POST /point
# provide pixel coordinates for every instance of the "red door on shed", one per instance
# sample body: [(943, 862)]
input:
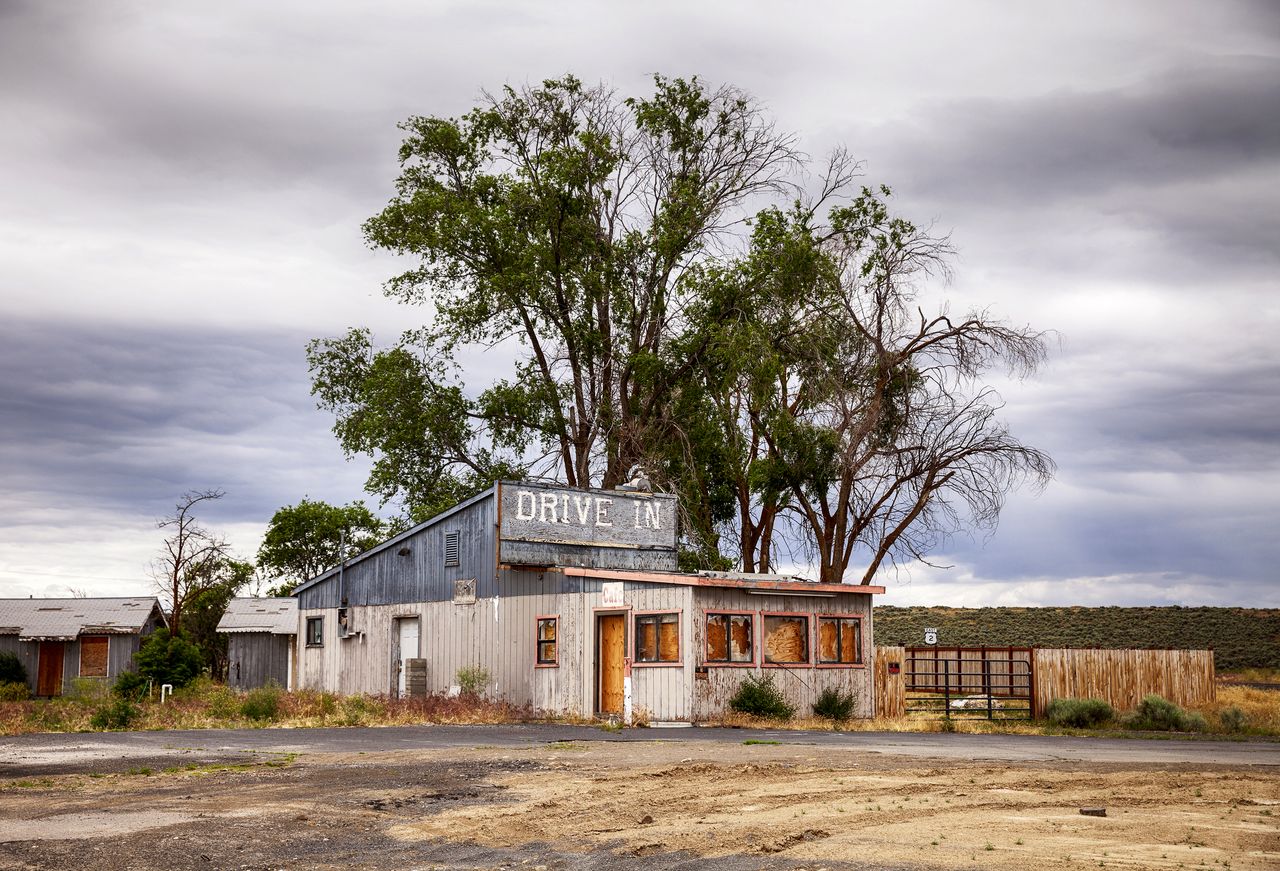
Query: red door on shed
[(49, 679)]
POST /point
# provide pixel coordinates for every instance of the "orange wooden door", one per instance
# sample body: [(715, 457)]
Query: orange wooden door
[(612, 635), (49, 677)]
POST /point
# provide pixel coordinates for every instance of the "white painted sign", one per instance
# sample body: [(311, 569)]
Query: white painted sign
[(931, 636), (542, 524), (611, 595)]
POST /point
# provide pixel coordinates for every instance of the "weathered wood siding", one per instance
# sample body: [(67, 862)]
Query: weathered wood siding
[(256, 658), (28, 653), (1123, 677), (800, 684), (385, 577), (891, 694)]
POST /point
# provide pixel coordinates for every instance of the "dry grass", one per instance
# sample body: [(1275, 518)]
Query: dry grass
[(206, 705)]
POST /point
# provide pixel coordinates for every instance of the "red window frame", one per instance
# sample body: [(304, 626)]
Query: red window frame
[(808, 636), (538, 662), (635, 639), (755, 646), (862, 640)]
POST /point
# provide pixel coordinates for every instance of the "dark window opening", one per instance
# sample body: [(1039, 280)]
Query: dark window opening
[(840, 640), (547, 640), (786, 639), (730, 638), (315, 632), (657, 638)]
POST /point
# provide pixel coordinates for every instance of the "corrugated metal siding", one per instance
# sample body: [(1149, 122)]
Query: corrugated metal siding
[(254, 658), (800, 684), (386, 578)]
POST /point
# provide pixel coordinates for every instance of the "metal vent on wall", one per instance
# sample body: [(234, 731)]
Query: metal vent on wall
[(451, 548)]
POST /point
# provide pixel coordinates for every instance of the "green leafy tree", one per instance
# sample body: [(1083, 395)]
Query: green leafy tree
[(562, 221), (206, 607), (306, 539), (166, 658), (785, 382)]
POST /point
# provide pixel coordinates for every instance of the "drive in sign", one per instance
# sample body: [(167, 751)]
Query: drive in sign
[(547, 525)]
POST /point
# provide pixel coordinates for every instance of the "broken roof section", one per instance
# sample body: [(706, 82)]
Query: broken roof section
[(276, 616), (68, 619)]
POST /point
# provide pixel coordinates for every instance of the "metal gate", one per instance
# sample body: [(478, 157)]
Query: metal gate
[(993, 683)]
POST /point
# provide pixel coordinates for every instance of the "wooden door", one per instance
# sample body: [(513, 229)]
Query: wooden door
[(49, 679), (611, 634)]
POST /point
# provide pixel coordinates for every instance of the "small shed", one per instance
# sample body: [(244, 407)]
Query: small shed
[(262, 641), (58, 640)]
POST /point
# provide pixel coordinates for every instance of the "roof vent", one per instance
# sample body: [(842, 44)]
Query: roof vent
[(451, 548)]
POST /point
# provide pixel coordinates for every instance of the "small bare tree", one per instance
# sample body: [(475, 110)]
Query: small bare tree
[(190, 557)]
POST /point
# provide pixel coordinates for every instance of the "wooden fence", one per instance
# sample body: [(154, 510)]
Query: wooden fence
[(890, 683), (1123, 677), (1120, 677)]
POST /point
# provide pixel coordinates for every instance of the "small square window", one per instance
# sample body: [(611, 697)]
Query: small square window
[(839, 641), (730, 638), (547, 640), (786, 638), (657, 638), (315, 632)]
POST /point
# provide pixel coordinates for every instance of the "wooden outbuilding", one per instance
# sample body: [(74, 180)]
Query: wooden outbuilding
[(58, 640), (262, 641), (571, 602)]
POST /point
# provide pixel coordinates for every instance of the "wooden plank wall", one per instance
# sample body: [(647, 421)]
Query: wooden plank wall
[(1123, 677), (890, 689), (254, 658), (800, 684)]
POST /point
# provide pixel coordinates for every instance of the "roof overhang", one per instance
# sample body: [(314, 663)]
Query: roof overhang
[(757, 587)]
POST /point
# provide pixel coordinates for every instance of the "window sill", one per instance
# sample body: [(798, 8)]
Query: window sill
[(730, 664), (676, 664)]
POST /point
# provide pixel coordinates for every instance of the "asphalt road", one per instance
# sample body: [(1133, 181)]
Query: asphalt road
[(27, 755)]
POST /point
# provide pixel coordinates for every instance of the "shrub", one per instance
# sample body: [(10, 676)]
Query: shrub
[(472, 679), (168, 659), (11, 669), (117, 715), (835, 705), (132, 686), (759, 696), (223, 702), (1195, 722), (11, 691), (263, 703), (328, 704), (1233, 719), (1079, 713), (1157, 714)]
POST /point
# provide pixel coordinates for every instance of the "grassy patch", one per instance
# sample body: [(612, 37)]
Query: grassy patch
[(751, 741)]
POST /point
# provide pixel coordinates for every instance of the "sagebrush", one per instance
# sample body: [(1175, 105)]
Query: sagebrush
[(760, 697), (1079, 713), (835, 704)]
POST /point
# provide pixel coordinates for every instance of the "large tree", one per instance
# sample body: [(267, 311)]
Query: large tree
[(671, 299), (205, 608), (562, 222)]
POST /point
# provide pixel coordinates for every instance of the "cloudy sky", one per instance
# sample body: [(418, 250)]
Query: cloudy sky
[(182, 185)]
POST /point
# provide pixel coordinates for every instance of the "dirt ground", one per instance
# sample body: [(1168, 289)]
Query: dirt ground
[(589, 805)]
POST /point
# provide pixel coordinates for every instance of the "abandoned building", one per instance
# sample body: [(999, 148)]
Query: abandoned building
[(59, 640), (261, 641), (571, 602)]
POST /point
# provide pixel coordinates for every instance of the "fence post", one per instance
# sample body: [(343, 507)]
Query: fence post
[(946, 687), (986, 683)]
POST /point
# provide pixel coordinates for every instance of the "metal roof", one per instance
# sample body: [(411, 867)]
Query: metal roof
[(67, 619), (277, 616)]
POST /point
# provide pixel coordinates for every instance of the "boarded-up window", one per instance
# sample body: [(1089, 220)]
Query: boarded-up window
[(315, 631), (658, 638), (786, 638), (93, 655), (729, 638), (451, 548), (547, 640), (840, 640)]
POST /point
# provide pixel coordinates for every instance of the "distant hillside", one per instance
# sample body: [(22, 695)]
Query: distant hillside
[(1240, 637)]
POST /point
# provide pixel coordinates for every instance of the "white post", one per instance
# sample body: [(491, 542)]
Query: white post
[(165, 688), (626, 693)]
